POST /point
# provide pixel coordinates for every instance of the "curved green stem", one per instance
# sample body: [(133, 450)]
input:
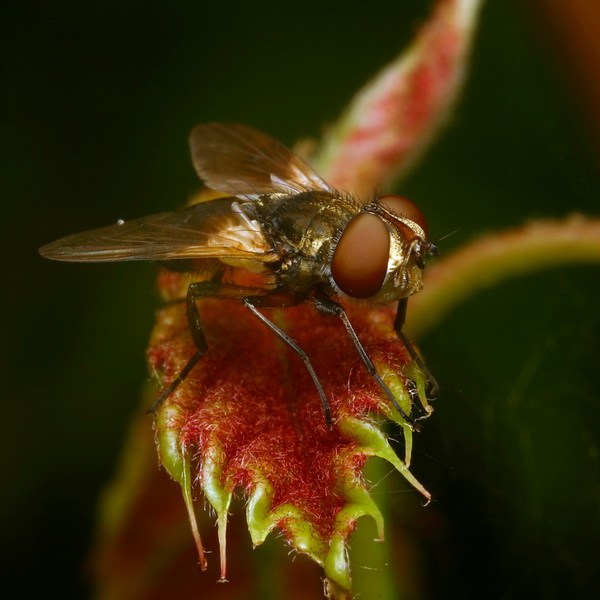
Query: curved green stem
[(494, 258)]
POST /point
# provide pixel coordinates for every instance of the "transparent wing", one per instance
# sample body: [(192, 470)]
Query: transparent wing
[(242, 161), (209, 229)]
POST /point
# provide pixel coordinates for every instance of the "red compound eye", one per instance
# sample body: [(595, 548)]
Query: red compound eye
[(403, 207), (360, 259)]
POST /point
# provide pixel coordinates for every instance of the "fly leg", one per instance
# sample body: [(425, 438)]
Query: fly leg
[(328, 306), (398, 324), (252, 299), (251, 305), (195, 291)]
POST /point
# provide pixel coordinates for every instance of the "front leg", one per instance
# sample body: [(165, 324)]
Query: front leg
[(328, 306), (398, 324)]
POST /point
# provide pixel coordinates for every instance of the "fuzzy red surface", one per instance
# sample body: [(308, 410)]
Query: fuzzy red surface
[(253, 397)]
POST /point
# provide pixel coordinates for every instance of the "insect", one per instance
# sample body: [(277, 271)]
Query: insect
[(277, 218)]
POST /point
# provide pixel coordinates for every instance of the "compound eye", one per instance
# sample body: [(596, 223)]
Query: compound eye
[(360, 259), (403, 207)]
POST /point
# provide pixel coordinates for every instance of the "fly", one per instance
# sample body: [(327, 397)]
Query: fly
[(277, 218)]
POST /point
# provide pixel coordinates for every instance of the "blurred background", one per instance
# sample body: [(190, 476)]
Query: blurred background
[(98, 99)]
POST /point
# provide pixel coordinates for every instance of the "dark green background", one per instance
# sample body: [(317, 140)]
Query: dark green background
[(97, 102)]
